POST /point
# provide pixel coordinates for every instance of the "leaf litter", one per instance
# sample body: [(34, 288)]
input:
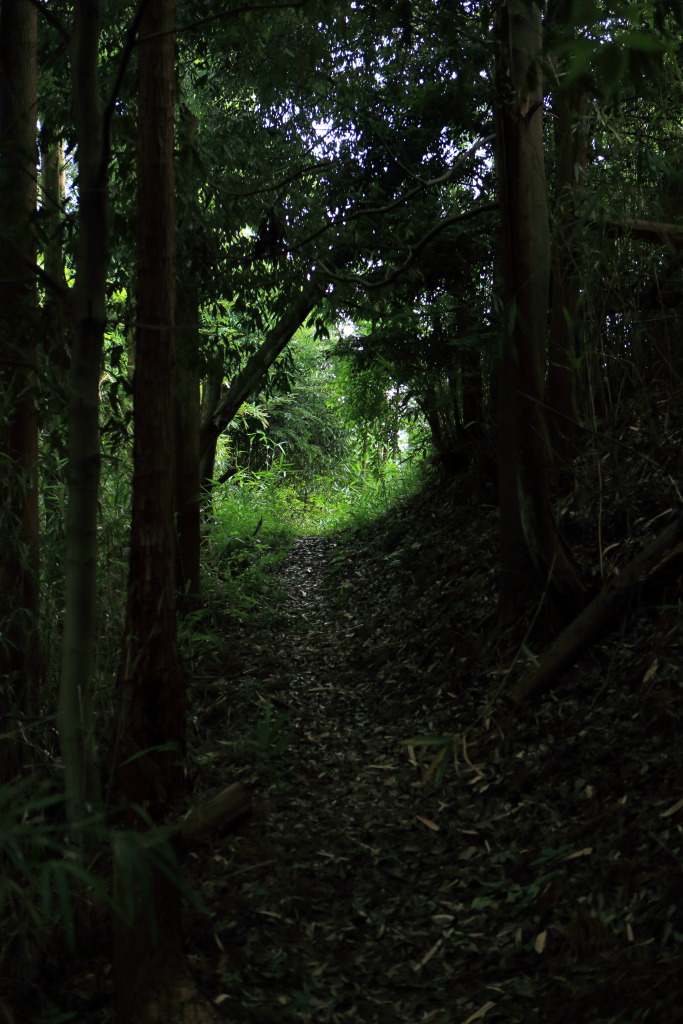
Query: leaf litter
[(418, 853)]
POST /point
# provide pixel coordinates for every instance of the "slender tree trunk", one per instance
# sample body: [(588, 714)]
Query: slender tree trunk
[(472, 393), (186, 434), (75, 712), (56, 344), (211, 397), (53, 189), (151, 689), (246, 381), (569, 107), (152, 981), (530, 546), (186, 396), (20, 658)]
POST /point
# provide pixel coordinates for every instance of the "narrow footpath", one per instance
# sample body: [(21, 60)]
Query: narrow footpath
[(362, 888)]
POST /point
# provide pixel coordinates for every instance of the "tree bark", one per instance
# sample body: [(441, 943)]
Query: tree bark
[(531, 551), (150, 686), (597, 616), (75, 713), (210, 817), (151, 976), (55, 330), (569, 110), (20, 659), (212, 386), (186, 399), (666, 236), (186, 435)]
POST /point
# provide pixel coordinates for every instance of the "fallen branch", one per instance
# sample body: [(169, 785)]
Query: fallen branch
[(212, 816), (153, 980), (599, 614), (647, 231)]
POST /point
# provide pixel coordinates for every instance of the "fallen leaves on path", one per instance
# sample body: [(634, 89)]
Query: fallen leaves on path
[(540, 880)]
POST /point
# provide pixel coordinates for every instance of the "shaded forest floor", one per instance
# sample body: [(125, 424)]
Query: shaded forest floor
[(541, 878), (511, 867)]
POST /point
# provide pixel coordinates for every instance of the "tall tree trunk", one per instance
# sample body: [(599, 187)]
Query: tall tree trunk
[(75, 712), (211, 397), (531, 550), (20, 659), (56, 345), (472, 393), (186, 437), (151, 688), (152, 981), (186, 395), (569, 105)]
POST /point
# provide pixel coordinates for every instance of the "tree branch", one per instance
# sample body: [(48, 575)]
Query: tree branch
[(412, 250), (273, 187), (50, 282), (343, 220), (121, 67), (245, 9), (646, 231), (52, 18)]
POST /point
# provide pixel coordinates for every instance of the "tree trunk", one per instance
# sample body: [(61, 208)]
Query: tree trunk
[(56, 344), (186, 398), (151, 688), (531, 551), (257, 365), (75, 714), (569, 107), (186, 436), (20, 659), (152, 980), (211, 396), (472, 392), (601, 612)]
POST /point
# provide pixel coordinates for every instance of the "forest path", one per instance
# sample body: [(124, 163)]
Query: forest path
[(539, 880), (342, 871)]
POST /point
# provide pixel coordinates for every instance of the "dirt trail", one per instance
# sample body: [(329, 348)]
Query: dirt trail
[(539, 881), (333, 907)]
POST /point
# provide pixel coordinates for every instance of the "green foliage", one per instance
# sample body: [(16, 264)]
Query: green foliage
[(42, 882), (294, 418)]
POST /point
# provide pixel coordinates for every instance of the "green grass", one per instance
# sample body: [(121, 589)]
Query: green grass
[(276, 508), (258, 518)]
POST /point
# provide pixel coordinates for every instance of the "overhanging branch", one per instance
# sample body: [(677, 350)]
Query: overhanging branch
[(412, 251)]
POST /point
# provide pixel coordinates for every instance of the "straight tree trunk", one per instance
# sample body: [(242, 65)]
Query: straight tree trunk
[(20, 659), (55, 332), (472, 393), (569, 106), (152, 981), (531, 551), (75, 711), (211, 397), (186, 396), (151, 687), (186, 436)]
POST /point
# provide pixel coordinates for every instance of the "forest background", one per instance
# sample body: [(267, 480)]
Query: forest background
[(259, 264)]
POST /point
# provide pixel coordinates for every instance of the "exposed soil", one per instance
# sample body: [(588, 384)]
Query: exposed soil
[(540, 878)]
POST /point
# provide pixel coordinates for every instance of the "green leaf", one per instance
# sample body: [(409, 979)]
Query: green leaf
[(429, 740)]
